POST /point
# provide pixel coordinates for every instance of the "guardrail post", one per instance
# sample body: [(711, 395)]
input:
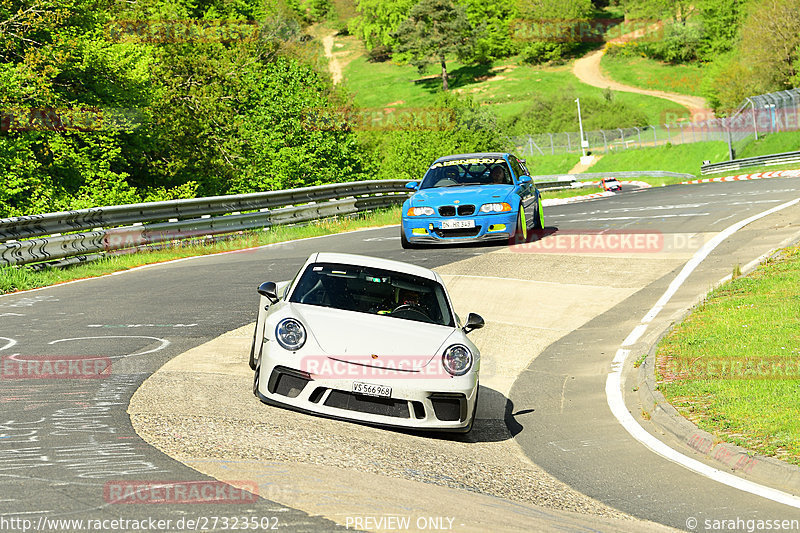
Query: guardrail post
[(639, 133), (552, 146), (622, 137), (605, 140)]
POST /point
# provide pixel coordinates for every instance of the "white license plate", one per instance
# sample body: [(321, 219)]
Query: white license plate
[(368, 389), (457, 224)]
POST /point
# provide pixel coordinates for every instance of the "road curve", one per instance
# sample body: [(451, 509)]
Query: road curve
[(63, 441)]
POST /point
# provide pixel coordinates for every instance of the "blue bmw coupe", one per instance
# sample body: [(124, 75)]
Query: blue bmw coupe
[(470, 198)]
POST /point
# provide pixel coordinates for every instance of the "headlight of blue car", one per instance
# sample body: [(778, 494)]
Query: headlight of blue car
[(420, 211), (495, 208)]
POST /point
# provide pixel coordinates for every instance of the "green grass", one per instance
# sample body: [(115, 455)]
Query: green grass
[(733, 366), (772, 143), (752, 170), (540, 165), (14, 279), (685, 158), (569, 193), (506, 87), (653, 75)]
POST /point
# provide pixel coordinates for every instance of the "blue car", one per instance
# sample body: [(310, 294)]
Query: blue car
[(470, 198)]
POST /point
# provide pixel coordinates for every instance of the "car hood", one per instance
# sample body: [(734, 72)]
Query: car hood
[(464, 194), (357, 337)]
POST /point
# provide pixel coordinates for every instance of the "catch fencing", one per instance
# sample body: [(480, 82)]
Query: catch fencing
[(756, 116)]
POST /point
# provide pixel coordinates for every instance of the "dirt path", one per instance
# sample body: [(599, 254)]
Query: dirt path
[(336, 60), (587, 69)]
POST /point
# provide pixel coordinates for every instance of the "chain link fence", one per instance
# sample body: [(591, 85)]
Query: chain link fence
[(757, 115)]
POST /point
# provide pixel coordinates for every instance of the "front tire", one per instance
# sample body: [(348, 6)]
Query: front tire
[(538, 217), (253, 349), (521, 233), (403, 241), (256, 379)]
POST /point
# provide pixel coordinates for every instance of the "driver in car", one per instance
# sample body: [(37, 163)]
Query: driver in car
[(404, 297)]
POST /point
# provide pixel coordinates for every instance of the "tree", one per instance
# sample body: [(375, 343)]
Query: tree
[(770, 39), (378, 20), (492, 19), (554, 26), (434, 29)]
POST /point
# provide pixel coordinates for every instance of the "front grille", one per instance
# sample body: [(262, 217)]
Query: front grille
[(447, 210), (287, 382), (466, 210), (461, 232), (449, 407), (368, 404)]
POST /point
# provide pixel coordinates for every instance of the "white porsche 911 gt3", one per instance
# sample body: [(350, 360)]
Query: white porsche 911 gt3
[(369, 340)]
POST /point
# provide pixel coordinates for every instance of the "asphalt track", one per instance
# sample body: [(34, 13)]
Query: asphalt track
[(62, 441)]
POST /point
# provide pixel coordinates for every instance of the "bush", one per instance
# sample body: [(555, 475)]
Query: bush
[(559, 113), (682, 43), (379, 54), (536, 52)]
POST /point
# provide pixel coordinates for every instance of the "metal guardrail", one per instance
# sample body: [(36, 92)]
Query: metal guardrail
[(158, 222), (760, 161), (552, 180)]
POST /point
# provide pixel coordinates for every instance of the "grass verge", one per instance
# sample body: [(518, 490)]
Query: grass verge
[(22, 278), (685, 158), (750, 170), (653, 75), (733, 366), (569, 193), (771, 143)]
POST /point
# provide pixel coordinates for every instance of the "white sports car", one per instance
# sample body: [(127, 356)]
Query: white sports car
[(369, 340)]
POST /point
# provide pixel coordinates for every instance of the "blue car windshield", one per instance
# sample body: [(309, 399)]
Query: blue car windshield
[(459, 173)]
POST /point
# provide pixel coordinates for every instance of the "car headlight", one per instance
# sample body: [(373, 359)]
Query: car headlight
[(420, 211), (290, 334), (495, 208), (457, 359)]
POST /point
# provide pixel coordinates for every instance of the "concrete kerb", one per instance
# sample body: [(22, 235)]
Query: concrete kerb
[(747, 463)]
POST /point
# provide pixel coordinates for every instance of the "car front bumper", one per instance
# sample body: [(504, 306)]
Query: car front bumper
[(496, 226), (437, 404)]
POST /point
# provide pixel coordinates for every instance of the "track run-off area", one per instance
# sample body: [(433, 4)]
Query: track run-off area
[(554, 445)]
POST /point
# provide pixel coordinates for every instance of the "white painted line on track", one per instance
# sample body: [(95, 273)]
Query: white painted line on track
[(639, 218), (164, 343), (616, 401), (9, 344)]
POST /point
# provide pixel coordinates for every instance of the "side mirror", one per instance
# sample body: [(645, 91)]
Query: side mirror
[(270, 290), (412, 185), (474, 321), (524, 179)]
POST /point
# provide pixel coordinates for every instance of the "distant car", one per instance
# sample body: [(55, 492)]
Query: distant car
[(611, 184), (368, 340), (472, 197)]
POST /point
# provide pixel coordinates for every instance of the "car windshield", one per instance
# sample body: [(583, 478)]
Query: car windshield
[(373, 291), (461, 172)]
